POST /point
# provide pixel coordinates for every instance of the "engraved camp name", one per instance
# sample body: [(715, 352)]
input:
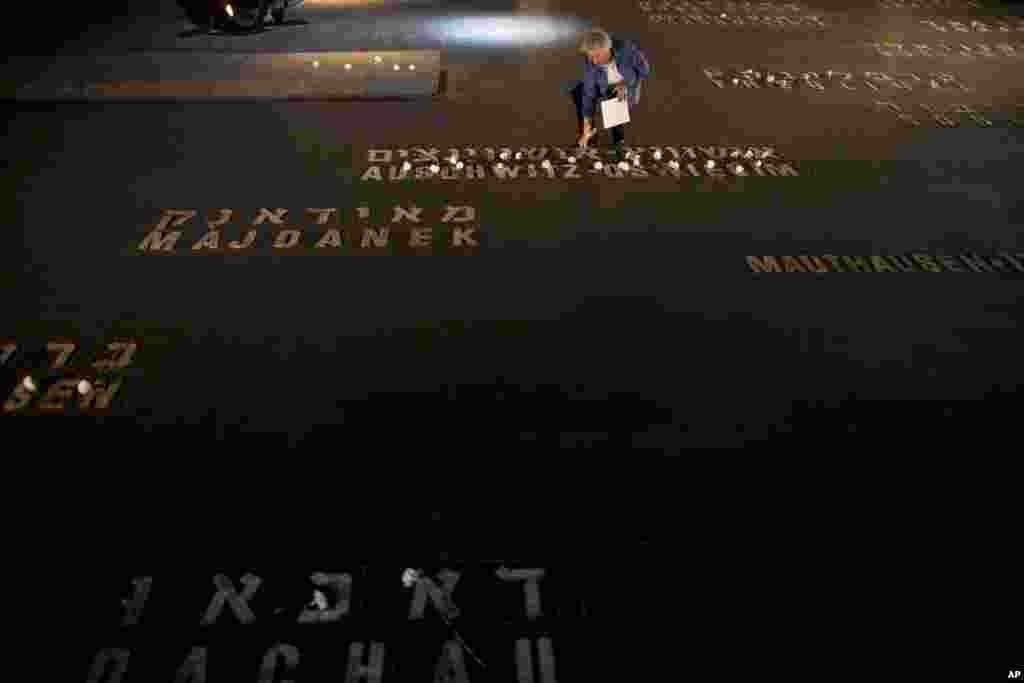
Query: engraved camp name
[(559, 163), (940, 50), (952, 115), (717, 7), (277, 229), (59, 377), (726, 19), (731, 14), (833, 80), (973, 26), (929, 4), (917, 262), (338, 597)]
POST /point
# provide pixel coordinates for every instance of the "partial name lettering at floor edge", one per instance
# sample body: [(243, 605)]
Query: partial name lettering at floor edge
[(917, 262)]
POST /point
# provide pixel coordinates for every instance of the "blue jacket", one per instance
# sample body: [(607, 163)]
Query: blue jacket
[(630, 62)]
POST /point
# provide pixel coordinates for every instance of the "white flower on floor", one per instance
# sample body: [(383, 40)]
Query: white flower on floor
[(504, 155), (499, 165), (572, 160), (84, 387), (406, 166), (710, 164), (598, 165), (411, 577), (29, 383), (519, 155), (657, 155), (623, 166), (459, 165), (319, 599), (757, 163), (673, 164), (434, 168), (546, 163), (739, 170)]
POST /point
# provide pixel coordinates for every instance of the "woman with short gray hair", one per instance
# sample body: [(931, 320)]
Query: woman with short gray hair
[(595, 40), (613, 67)]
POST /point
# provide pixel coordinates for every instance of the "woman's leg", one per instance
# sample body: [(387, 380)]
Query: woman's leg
[(577, 97), (619, 135)]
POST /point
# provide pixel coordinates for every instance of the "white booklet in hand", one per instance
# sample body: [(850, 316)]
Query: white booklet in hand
[(614, 112)]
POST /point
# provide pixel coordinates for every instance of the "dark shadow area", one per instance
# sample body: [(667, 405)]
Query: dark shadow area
[(508, 420), (68, 22), (405, 7), (269, 28)]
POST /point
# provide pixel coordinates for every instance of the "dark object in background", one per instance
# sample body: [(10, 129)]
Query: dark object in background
[(246, 15)]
